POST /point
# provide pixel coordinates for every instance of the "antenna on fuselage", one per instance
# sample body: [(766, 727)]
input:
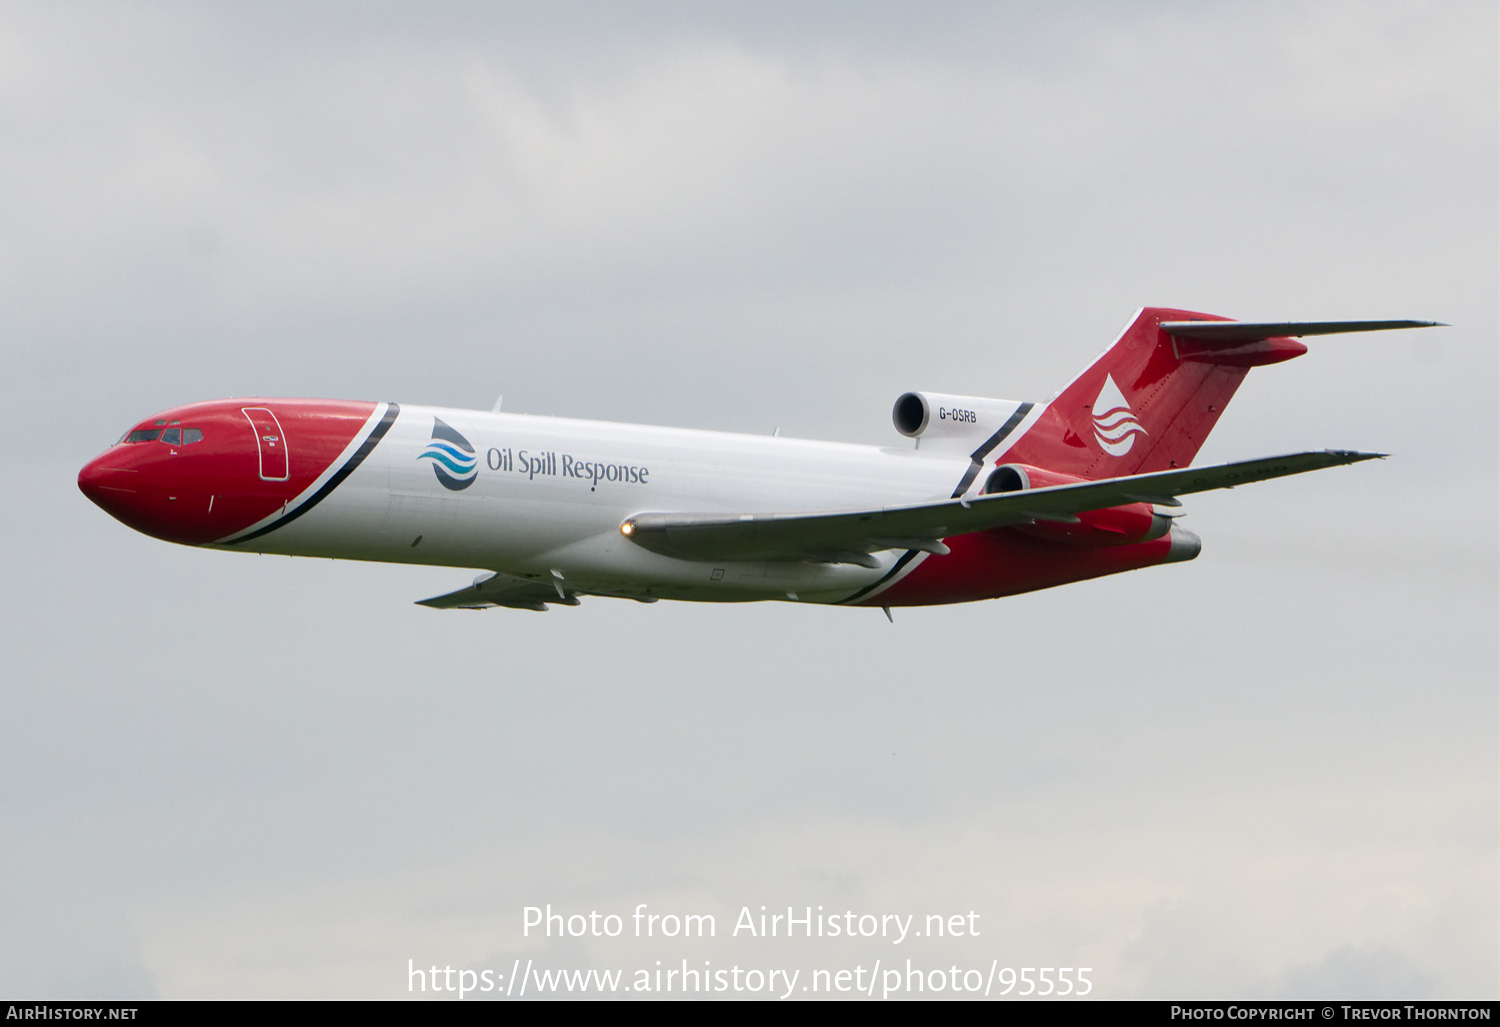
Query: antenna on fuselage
[(498, 400)]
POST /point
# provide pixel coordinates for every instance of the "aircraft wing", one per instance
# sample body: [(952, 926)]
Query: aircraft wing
[(851, 536), (490, 590)]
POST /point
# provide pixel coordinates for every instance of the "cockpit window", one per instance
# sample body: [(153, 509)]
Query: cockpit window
[(144, 435), (172, 436), (190, 435)]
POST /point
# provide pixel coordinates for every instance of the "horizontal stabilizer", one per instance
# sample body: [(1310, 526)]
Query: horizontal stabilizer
[(830, 537), (1234, 332)]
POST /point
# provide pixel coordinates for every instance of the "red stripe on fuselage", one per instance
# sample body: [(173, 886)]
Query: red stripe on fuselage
[(200, 492), (1002, 562)]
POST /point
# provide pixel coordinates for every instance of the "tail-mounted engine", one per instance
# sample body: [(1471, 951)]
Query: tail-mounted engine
[(1112, 526), (951, 422)]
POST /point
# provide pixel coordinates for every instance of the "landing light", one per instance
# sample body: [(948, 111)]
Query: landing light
[(627, 528)]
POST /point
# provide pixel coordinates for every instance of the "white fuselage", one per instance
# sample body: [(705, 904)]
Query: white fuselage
[(549, 494)]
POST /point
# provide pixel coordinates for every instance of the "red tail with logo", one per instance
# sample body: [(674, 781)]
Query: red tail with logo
[(1146, 405)]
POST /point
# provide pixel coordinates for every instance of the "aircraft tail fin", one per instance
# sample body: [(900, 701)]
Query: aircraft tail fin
[(1148, 403)]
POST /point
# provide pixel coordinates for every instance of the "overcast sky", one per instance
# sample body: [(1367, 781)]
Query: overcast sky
[(1272, 771)]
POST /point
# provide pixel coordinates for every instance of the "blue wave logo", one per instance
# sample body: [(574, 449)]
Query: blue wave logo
[(453, 459)]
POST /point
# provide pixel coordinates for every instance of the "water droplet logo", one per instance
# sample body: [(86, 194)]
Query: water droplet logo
[(1115, 426), (453, 459)]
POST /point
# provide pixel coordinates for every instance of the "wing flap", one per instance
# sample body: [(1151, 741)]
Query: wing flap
[(834, 536)]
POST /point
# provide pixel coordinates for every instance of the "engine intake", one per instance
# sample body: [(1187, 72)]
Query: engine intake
[(963, 422), (1007, 478)]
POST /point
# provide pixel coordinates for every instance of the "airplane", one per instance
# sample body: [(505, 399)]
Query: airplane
[(986, 498)]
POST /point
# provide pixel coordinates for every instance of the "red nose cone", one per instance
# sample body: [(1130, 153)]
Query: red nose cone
[(205, 472), (110, 484), (144, 485)]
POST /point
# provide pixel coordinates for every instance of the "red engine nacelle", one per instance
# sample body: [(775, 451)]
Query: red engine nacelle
[(1112, 526)]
